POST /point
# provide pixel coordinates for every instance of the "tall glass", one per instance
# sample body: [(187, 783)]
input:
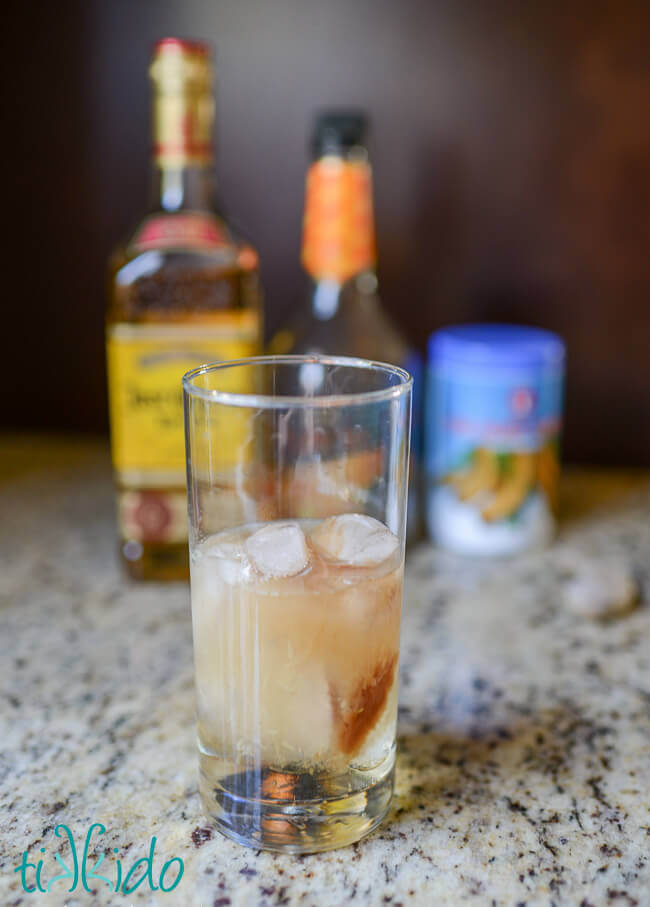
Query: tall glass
[(297, 482)]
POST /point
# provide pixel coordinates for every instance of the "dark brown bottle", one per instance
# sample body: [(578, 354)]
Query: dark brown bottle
[(342, 314)]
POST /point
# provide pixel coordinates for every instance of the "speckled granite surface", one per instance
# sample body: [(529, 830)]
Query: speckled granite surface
[(524, 731)]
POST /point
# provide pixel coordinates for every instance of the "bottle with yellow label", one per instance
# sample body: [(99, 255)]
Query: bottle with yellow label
[(183, 291)]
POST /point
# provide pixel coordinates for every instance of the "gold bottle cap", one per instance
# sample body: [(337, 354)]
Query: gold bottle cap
[(183, 103)]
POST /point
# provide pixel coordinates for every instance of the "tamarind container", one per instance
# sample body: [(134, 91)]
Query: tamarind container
[(492, 427)]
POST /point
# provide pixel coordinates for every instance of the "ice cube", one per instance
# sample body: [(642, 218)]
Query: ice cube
[(229, 559), (278, 549), (295, 710), (354, 539)]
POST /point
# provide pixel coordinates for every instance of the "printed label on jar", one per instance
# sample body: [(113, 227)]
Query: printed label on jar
[(145, 367), (493, 455)]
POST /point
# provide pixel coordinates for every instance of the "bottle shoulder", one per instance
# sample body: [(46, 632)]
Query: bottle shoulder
[(128, 264), (180, 266), (206, 234), (359, 326)]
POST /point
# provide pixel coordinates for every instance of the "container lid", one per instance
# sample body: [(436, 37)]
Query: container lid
[(338, 130), (494, 345)]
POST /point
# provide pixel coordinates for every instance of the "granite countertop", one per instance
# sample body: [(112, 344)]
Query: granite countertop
[(523, 769)]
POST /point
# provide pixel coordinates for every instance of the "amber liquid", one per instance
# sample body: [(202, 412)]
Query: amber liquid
[(297, 682), (188, 287)]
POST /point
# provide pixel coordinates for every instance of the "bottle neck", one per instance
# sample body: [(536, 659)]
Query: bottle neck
[(183, 119), (338, 243), (183, 188)]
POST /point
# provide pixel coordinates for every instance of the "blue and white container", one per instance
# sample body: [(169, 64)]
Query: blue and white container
[(493, 419)]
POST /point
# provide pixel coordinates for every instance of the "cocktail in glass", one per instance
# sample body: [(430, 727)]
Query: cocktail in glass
[(297, 477)]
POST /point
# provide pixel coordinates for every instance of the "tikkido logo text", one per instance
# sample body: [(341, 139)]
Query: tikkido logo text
[(37, 877)]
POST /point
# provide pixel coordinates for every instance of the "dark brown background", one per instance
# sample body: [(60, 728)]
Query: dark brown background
[(511, 148)]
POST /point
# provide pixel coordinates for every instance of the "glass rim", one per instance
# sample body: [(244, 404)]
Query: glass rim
[(282, 401)]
